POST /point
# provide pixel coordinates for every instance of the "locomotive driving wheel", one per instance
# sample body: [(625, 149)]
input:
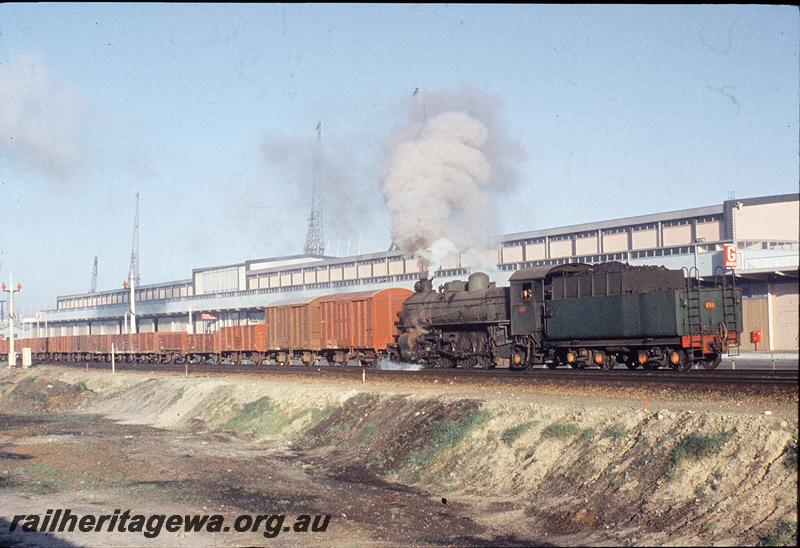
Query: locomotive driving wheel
[(519, 359), (468, 362), (445, 362)]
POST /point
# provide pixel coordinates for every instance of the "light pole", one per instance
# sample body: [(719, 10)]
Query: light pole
[(12, 356), (129, 284), (697, 241)]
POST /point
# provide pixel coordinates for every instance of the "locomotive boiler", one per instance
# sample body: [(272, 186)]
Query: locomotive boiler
[(464, 324)]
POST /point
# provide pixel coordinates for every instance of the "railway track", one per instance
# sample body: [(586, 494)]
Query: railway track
[(744, 378)]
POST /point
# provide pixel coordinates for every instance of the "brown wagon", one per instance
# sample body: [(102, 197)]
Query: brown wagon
[(200, 347), (292, 331), (240, 342), (359, 326)]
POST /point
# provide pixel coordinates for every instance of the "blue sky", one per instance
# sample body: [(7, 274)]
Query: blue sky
[(620, 110)]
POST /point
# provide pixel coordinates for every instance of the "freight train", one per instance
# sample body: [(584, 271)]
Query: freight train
[(573, 314)]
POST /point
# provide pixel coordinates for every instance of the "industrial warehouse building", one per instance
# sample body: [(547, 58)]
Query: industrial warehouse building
[(765, 231)]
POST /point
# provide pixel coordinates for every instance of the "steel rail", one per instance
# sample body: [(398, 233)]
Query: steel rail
[(743, 377)]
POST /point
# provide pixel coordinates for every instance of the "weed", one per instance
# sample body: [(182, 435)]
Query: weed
[(80, 386), (791, 456), (261, 417), (447, 434), (526, 452), (586, 435), (43, 478), (320, 413), (219, 410), (415, 457), (512, 434), (783, 535), (560, 430), (615, 432), (368, 431), (699, 490), (695, 447)]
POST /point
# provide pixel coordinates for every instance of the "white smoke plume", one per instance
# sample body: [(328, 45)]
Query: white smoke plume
[(441, 177), (41, 118), (389, 365)]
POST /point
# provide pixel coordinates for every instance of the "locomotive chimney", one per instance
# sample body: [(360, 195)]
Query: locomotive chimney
[(423, 285)]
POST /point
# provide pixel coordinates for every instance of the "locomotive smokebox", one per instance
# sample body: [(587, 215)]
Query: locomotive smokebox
[(423, 285)]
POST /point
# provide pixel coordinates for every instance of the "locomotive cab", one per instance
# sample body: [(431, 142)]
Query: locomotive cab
[(523, 306), (530, 291)]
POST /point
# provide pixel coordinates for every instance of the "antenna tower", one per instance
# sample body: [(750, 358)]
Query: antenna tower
[(314, 242), (133, 273), (93, 287)]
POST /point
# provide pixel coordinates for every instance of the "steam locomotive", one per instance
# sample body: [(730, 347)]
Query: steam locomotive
[(573, 314)]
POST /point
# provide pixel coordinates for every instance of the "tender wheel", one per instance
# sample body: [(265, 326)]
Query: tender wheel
[(678, 360), (632, 365), (603, 360), (712, 363)]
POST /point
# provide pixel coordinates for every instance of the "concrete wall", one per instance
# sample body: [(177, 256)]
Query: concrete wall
[(535, 252), (615, 242), (776, 315), (776, 221), (512, 253), (755, 316), (711, 231), (396, 267), (785, 305), (677, 235), (586, 245), (364, 270), (645, 239), (560, 248)]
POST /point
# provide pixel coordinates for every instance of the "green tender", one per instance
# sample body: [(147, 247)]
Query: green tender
[(661, 314)]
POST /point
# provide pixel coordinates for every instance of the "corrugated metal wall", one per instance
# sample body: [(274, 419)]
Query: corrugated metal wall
[(219, 280)]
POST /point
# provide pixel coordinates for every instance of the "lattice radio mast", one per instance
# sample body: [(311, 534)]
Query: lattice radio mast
[(93, 287), (314, 237), (133, 273)]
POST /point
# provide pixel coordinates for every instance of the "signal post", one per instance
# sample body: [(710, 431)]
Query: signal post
[(10, 289)]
